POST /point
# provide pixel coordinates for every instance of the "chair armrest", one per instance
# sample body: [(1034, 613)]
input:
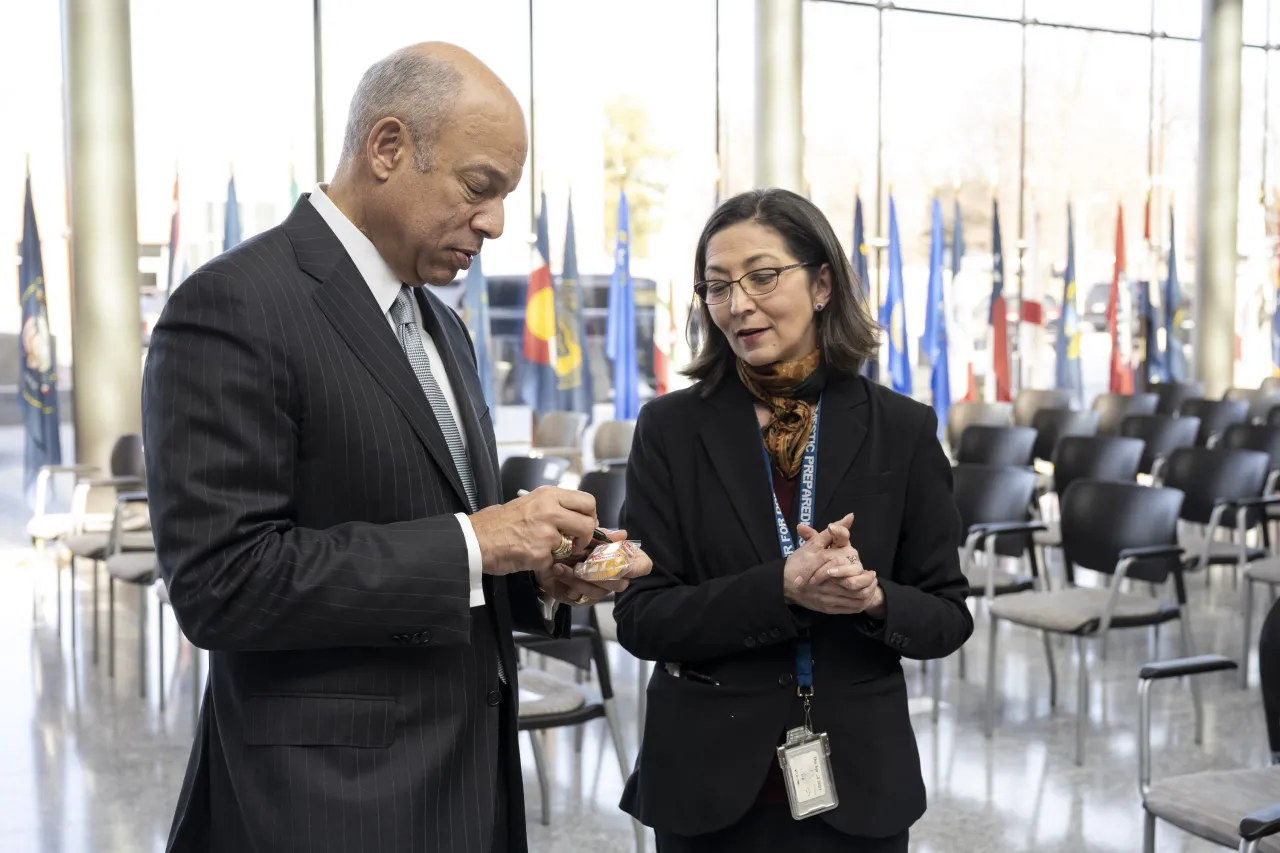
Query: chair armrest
[(994, 528), (113, 482), (1179, 667), (1260, 824), (1150, 552), (69, 469), (131, 497), (609, 463), (1243, 503)]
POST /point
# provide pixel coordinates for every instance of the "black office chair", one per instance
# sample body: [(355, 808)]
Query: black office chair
[(996, 445), (1215, 416), (530, 472), (1260, 437), (1273, 416), (1239, 809), (1160, 435), (1053, 425), (609, 488), (964, 415), (1032, 400), (1173, 394), (1108, 458), (1119, 529), (1112, 409), (1216, 481)]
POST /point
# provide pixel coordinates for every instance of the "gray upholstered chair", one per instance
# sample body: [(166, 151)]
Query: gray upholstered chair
[(966, 414), (560, 434), (612, 443), (138, 568)]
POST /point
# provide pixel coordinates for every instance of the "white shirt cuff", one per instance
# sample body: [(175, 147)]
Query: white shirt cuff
[(549, 605), (475, 564)]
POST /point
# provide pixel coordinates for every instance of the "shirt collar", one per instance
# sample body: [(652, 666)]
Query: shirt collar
[(377, 274)]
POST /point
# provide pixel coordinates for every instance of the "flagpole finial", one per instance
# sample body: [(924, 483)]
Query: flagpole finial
[(28, 164)]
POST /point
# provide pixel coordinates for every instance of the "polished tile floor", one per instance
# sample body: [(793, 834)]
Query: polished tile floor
[(86, 764)]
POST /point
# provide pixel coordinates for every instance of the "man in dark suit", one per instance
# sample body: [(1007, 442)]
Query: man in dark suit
[(325, 496)]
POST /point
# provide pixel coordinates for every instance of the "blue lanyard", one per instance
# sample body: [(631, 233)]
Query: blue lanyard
[(808, 481)]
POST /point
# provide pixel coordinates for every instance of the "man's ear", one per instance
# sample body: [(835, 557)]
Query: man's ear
[(387, 147)]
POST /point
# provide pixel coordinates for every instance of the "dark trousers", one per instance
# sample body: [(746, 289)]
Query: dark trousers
[(1269, 671), (771, 828)]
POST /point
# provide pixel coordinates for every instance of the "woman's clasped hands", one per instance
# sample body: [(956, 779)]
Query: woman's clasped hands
[(826, 575)]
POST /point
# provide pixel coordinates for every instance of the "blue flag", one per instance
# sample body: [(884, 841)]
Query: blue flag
[(870, 367), (573, 374), (37, 361), (620, 333), (476, 316), (934, 342), (893, 315), (1068, 348), (1153, 361), (1175, 358), (231, 228)]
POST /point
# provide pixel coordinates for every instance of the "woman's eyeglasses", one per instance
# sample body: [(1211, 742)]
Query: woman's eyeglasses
[(755, 283)]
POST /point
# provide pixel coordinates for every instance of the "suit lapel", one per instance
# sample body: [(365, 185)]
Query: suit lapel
[(460, 366), (348, 304), (732, 441), (842, 428)]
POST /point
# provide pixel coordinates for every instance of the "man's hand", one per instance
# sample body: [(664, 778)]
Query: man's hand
[(564, 586), (519, 536)]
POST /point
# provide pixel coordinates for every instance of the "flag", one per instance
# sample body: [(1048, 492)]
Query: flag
[(1174, 358), (1151, 358), (620, 331), (231, 227), (999, 313), (175, 247), (934, 342), (37, 362), (893, 313), (476, 315), (1035, 364), (662, 340), (1068, 371), (573, 374), (538, 383), (870, 368), (1118, 328)]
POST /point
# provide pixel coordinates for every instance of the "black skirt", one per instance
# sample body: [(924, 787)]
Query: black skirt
[(771, 828)]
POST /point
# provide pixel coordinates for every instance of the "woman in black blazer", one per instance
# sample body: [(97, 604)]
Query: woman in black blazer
[(875, 576)]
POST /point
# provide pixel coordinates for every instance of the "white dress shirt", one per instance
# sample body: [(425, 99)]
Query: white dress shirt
[(385, 286)]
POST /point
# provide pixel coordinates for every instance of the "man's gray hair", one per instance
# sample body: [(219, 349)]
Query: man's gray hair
[(408, 85)]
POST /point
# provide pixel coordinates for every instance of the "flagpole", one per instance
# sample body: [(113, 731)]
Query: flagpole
[(879, 157), (1017, 355), (318, 63), (533, 135), (719, 162)]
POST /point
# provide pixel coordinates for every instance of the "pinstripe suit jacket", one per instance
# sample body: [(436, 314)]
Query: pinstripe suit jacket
[(302, 496)]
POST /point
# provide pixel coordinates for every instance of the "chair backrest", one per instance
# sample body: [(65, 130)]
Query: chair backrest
[(1215, 415), (1173, 394), (996, 445), (612, 441), (609, 488), (126, 457), (1245, 394), (1053, 425), (963, 415), (1260, 437), (1273, 416), (1161, 435), (986, 494), (1208, 475), (560, 429), (1031, 400), (1100, 519), (1261, 404), (1109, 458), (1270, 385), (529, 472), (1112, 409)]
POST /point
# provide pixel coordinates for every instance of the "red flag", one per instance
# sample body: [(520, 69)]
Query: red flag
[(1121, 374), (999, 314), (660, 369)]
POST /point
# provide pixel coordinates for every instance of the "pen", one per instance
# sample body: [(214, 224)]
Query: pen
[(701, 678)]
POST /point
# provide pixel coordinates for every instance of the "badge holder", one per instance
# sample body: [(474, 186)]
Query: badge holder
[(806, 757)]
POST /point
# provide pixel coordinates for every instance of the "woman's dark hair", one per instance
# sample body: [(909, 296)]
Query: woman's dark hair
[(846, 332)]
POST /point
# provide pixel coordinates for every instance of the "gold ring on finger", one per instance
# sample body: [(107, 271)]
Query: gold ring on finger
[(564, 549), (580, 600)]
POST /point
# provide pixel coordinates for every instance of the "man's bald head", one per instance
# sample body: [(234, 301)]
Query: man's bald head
[(419, 85)]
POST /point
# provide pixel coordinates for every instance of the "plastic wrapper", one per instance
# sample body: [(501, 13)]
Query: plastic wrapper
[(607, 562)]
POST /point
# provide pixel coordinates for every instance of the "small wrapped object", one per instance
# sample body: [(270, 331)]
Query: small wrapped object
[(607, 562)]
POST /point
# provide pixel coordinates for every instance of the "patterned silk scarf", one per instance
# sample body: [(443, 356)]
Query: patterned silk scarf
[(790, 389)]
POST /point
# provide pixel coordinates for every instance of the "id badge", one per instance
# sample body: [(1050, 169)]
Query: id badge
[(806, 767)]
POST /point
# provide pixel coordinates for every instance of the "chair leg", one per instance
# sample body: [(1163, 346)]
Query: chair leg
[(991, 674), (624, 767), (96, 569), (642, 697), (1189, 650), (961, 663), (160, 645), (1248, 633), (35, 580), (142, 642), (1053, 671), (1082, 698), (57, 571), (71, 600), (111, 626), (1148, 832), (544, 786), (935, 676)]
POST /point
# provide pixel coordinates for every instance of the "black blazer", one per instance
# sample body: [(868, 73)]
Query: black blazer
[(302, 497), (698, 496)]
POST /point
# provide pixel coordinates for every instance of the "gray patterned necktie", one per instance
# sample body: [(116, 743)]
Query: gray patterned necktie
[(411, 341)]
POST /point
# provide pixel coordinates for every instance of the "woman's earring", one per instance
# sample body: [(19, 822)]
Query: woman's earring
[(818, 307)]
